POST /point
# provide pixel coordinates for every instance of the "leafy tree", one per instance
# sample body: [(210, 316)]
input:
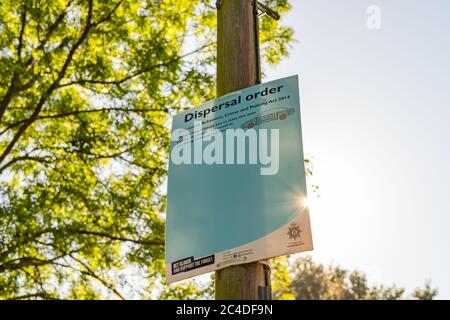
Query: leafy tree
[(314, 281), (426, 293), (87, 90), (281, 280), (188, 290)]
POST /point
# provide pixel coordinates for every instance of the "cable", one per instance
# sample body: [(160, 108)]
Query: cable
[(256, 33)]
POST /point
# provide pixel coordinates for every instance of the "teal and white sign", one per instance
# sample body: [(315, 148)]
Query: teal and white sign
[(236, 187)]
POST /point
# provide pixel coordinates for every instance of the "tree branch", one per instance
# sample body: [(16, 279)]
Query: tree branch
[(105, 235), (17, 159), (21, 240), (52, 28), (31, 237), (94, 275), (13, 89), (136, 74), (18, 263), (12, 86), (76, 112), (108, 16), (23, 20), (40, 294), (52, 87)]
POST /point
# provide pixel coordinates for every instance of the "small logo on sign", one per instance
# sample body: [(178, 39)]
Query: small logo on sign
[(294, 231)]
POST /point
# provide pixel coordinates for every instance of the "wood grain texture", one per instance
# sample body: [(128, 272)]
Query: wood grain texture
[(240, 282), (236, 63), (236, 69)]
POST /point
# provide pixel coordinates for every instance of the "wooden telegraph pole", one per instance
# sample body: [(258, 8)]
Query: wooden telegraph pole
[(238, 67)]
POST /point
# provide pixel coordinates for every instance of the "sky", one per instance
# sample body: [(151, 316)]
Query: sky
[(376, 125)]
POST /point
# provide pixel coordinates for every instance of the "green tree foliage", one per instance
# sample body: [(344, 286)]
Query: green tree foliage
[(426, 293), (87, 90), (314, 281)]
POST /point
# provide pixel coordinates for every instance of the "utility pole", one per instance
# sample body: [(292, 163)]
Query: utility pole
[(238, 67)]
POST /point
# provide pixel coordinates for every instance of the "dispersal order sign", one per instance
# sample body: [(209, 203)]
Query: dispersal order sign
[(236, 187)]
